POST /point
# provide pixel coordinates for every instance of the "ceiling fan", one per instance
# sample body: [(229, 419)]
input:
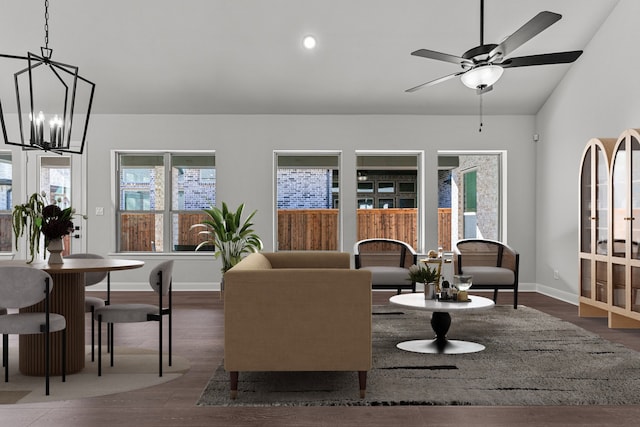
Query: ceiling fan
[(483, 65)]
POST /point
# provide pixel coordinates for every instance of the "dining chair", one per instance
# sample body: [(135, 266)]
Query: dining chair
[(91, 303), (160, 280), (22, 287)]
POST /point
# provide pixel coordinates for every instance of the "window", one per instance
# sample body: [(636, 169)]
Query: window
[(160, 195), (307, 200), (391, 181), (469, 204), (6, 201), (365, 187), (470, 189)]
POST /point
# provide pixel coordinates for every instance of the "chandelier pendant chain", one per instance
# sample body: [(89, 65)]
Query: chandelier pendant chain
[(46, 24), (46, 52)]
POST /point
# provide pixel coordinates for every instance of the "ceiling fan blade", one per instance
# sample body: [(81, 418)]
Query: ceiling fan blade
[(436, 81), (535, 26), (432, 54), (543, 59)]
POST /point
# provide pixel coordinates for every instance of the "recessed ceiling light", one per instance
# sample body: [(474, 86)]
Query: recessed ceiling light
[(309, 42)]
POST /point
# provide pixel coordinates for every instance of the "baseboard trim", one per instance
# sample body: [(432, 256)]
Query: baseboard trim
[(567, 297)]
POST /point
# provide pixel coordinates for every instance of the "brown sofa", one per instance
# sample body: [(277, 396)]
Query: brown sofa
[(297, 311)]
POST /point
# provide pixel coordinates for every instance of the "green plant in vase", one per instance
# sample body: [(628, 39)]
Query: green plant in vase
[(37, 220), (231, 236), (27, 217), (423, 274)]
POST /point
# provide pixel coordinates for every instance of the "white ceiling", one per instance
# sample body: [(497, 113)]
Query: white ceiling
[(246, 57)]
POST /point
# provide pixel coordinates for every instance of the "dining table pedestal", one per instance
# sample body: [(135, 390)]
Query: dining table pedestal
[(67, 298)]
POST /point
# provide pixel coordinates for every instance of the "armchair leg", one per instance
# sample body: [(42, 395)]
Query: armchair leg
[(515, 299), (233, 381), (362, 379), (495, 295)]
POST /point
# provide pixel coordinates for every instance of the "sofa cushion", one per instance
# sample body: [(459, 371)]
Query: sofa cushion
[(482, 275), (382, 275)]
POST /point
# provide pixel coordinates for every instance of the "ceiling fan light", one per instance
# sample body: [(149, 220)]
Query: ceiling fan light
[(482, 76)]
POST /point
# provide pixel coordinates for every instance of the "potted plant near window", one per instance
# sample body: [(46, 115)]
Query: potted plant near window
[(37, 219), (231, 236), (28, 217)]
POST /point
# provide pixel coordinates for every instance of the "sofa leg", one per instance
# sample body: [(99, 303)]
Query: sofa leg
[(362, 379), (495, 295), (233, 380)]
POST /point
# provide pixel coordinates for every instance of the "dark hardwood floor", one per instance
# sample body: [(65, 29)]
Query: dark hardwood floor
[(198, 336)]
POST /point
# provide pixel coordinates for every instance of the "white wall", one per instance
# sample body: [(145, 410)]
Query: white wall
[(599, 97), (244, 147)]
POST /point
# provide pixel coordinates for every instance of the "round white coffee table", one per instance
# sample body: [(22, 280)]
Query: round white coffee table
[(440, 322)]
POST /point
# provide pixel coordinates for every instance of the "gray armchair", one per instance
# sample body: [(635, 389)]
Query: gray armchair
[(492, 264), (388, 260)]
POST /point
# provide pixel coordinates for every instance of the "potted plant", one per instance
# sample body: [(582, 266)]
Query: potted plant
[(28, 217), (422, 273), (231, 236), (37, 219)]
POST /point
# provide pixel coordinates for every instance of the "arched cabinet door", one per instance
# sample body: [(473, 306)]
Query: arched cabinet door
[(594, 222), (625, 223)]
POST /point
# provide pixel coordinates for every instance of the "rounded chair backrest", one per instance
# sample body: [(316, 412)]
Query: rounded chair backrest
[(90, 278), (22, 286), (166, 267), (384, 252)]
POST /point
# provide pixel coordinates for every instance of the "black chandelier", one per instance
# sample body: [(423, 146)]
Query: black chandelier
[(53, 103)]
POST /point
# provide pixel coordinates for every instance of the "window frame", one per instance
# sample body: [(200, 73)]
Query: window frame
[(167, 210), (8, 212), (336, 201)]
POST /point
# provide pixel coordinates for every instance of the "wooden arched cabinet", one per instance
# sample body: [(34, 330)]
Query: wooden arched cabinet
[(609, 247)]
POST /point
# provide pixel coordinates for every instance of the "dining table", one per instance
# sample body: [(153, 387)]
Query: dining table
[(66, 298)]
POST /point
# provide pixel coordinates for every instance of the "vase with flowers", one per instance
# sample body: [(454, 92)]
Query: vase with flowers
[(37, 220), (56, 223)]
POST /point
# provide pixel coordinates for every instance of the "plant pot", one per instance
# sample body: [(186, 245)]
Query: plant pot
[(55, 248), (429, 291)]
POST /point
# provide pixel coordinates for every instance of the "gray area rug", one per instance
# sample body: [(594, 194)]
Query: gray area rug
[(531, 358)]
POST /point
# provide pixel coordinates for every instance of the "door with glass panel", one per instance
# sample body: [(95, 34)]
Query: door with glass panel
[(60, 179)]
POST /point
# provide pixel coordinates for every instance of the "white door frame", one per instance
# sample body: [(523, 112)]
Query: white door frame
[(32, 161)]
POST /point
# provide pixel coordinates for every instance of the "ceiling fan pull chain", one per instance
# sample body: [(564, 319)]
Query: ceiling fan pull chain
[(480, 128)]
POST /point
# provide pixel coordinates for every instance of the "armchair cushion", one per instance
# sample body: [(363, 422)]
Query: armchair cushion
[(391, 276), (483, 275)]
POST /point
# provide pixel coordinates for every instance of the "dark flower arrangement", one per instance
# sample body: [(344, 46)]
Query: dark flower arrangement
[(56, 222)]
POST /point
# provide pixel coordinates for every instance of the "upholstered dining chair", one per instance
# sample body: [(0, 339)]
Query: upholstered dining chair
[(91, 303), (22, 287), (388, 260), (492, 265), (160, 280)]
